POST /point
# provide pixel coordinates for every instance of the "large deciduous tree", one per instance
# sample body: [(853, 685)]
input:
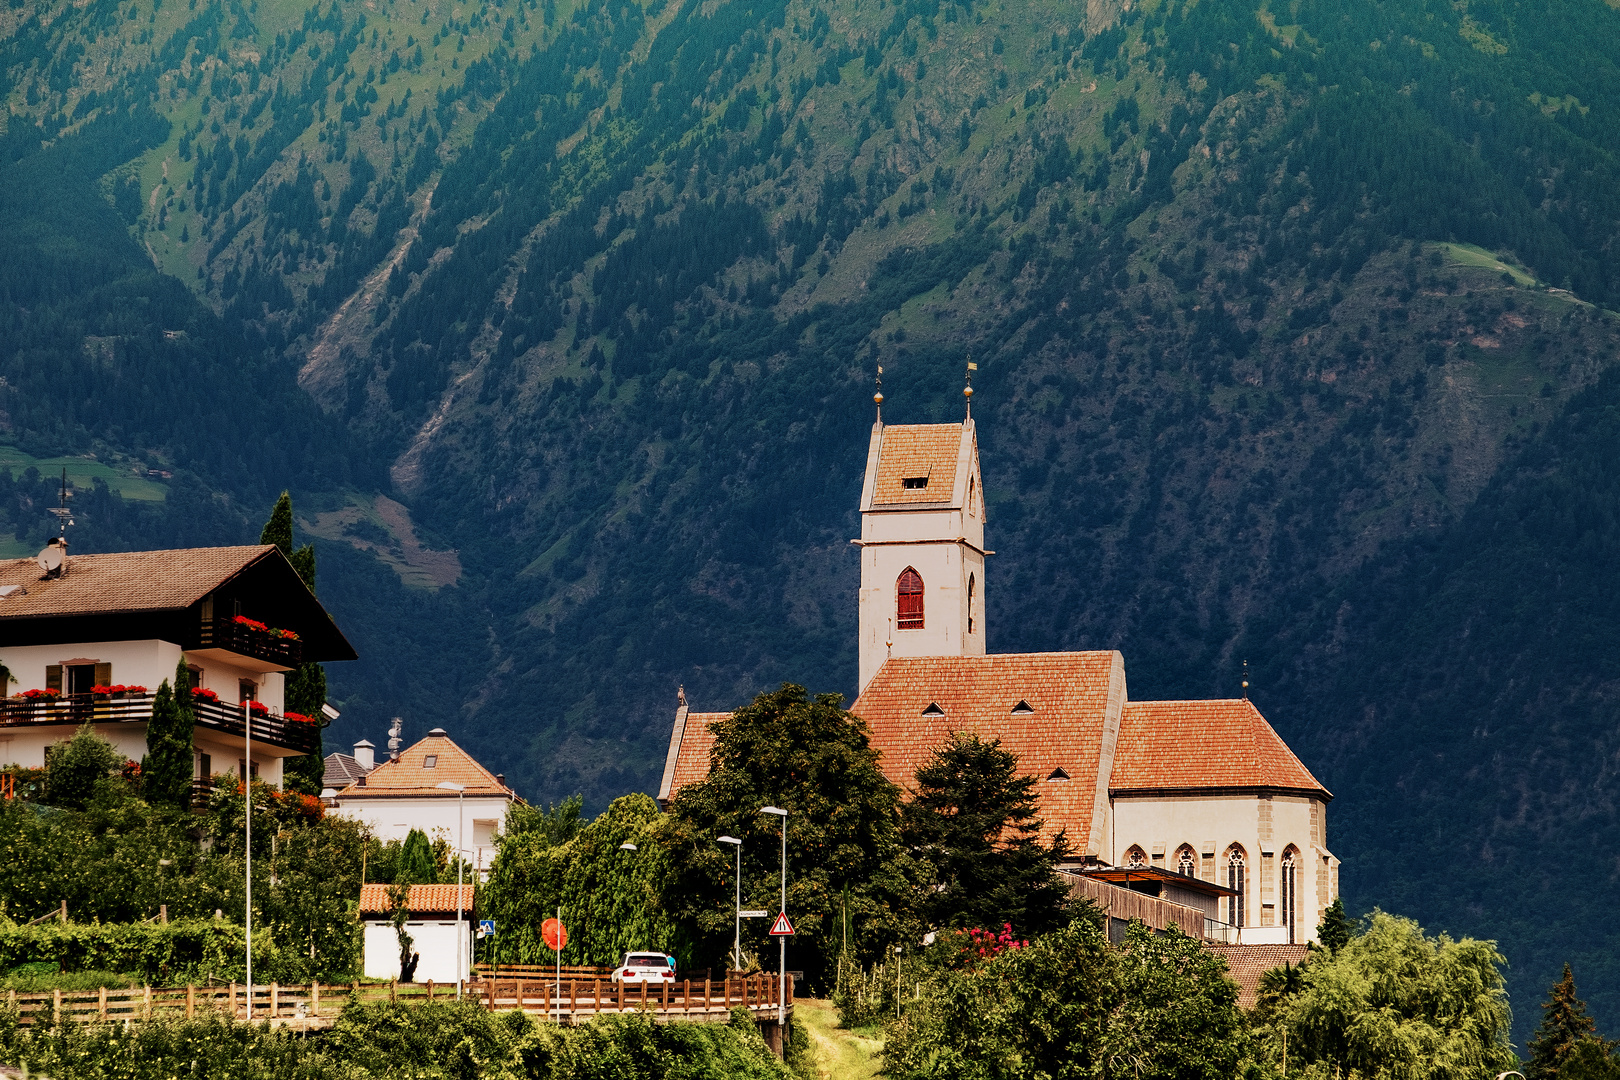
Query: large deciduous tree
[(1395, 1004), (78, 769), (973, 821), (847, 874)]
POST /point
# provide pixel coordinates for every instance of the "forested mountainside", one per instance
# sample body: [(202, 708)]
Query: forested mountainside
[(561, 320)]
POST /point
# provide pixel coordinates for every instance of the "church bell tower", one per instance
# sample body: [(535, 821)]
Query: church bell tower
[(922, 544)]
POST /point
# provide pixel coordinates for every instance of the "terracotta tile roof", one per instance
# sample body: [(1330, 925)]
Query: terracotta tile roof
[(1071, 695), (422, 900), (411, 776), (1246, 963), (912, 450), (1177, 745), (124, 581), (692, 758)]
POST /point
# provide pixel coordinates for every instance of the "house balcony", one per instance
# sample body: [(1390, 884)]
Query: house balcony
[(74, 709), (235, 641)]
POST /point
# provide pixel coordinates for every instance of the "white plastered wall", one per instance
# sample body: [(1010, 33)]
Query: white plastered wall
[(394, 818), (1265, 826), (147, 663), (437, 939)]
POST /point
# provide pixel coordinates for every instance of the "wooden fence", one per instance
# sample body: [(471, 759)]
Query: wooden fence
[(317, 1005), (1127, 904)]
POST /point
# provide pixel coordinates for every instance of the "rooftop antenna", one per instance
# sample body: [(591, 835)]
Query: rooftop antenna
[(1245, 680), (967, 391), (53, 558), (394, 739), (877, 398)]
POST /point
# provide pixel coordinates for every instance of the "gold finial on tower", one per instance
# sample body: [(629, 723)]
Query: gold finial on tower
[(877, 398), (967, 391), (1245, 680)]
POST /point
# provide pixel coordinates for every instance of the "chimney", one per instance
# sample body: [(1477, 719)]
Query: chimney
[(500, 778), (365, 755)]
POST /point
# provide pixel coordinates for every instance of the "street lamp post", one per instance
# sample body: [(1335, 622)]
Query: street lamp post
[(736, 944), (461, 827), (247, 851), (781, 940)]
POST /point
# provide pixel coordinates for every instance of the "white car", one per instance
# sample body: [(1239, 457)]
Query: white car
[(645, 967)]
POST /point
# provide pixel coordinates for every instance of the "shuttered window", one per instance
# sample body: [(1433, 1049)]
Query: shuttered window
[(909, 595), (53, 677)]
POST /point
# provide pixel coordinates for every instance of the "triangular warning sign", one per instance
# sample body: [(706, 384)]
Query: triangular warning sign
[(781, 927)]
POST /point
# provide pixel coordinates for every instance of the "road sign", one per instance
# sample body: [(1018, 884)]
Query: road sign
[(755, 914), (554, 934), (486, 927), (781, 927)]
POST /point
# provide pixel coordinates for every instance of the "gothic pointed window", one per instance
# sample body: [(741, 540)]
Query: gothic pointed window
[(1289, 888), (971, 585), (1186, 861), (909, 597), (1136, 857), (1237, 881)]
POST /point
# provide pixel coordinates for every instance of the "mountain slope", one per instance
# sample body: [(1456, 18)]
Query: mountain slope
[(1263, 297)]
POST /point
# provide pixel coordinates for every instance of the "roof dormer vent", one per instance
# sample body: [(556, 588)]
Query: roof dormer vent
[(914, 483), (933, 710), (1022, 709), (1057, 776)]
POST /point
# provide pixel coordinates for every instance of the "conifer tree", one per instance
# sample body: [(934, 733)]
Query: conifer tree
[(1335, 929), (1564, 1026), (306, 687), (166, 768)]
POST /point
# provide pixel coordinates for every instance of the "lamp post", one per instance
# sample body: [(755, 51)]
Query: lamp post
[(461, 827), (736, 944), (781, 941), (247, 811)]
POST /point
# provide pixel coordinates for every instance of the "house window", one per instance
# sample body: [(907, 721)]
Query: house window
[(431, 761), (914, 483), (80, 678), (247, 690), (971, 585), (1135, 857), (1288, 886), (1236, 880), (205, 766), (1187, 861), (909, 596)]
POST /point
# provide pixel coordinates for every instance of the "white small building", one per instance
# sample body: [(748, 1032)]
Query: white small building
[(90, 641), (404, 794), (437, 937)]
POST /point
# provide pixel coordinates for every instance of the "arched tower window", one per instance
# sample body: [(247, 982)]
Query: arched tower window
[(1135, 857), (971, 595), (1186, 861), (909, 597), (1236, 880), (1289, 887)]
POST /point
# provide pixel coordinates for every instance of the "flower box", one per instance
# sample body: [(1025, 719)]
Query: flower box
[(117, 690), (297, 718), (37, 695), (203, 695)]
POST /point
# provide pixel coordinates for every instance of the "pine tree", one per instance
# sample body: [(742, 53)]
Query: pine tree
[(166, 768), (1564, 1026), (1335, 929)]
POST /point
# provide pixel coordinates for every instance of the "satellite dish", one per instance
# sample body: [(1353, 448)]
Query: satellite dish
[(50, 558)]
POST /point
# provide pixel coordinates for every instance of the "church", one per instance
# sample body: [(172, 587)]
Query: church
[(1202, 789)]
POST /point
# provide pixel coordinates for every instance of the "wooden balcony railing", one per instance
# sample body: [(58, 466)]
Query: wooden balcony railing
[(217, 716), (224, 632)]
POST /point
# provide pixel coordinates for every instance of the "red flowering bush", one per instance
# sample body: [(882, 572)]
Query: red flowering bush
[(977, 944), (117, 688), (298, 803), (203, 695), (131, 770), (37, 695)]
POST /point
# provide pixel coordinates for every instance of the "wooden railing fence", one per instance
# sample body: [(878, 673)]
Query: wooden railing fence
[(581, 996)]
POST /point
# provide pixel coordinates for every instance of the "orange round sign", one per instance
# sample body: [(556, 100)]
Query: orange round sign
[(554, 934)]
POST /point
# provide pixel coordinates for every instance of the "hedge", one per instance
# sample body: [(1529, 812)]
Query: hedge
[(183, 950)]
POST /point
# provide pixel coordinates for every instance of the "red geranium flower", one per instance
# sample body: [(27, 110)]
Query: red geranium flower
[(35, 695)]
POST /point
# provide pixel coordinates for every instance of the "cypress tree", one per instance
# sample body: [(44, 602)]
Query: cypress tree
[(305, 690), (1564, 1026), (166, 768)]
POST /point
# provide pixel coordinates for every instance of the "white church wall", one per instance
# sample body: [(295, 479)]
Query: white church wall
[(1264, 827)]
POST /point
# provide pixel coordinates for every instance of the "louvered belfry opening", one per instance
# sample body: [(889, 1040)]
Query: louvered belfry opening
[(909, 591)]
